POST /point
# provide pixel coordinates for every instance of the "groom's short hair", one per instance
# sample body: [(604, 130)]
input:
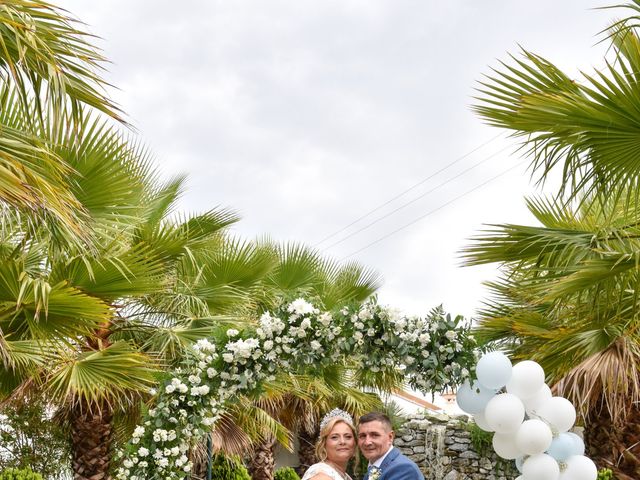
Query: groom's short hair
[(376, 417)]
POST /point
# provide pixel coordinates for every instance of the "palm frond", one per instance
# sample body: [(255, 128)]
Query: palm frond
[(115, 375)]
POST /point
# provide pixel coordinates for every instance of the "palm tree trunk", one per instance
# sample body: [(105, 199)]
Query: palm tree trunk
[(615, 446), (262, 464), (306, 449), (91, 439)]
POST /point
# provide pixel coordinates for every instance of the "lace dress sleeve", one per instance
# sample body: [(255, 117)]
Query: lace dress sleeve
[(320, 468)]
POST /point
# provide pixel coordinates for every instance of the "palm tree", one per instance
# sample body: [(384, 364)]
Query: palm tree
[(78, 326), (49, 69), (568, 298)]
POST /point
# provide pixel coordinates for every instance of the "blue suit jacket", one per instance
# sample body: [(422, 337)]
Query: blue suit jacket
[(396, 466)]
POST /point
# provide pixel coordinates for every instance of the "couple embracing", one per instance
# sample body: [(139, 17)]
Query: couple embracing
[(374, 435)]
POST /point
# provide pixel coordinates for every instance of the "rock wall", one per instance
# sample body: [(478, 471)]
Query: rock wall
[(442, 447)]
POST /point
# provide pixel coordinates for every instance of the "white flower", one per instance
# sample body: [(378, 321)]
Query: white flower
[(139, 431), (315, 345), (143, 452), (451, 335), (232, 332), (300, 307), (325, 319), (194, 379), (169, 388), (227, 357)]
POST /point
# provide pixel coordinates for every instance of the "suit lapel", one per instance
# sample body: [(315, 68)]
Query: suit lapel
[(393, 454)]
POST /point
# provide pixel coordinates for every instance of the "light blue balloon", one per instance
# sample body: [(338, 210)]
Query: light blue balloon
[(493, 370), (578, 442), (563, 446), (519, 462), (473, 399)]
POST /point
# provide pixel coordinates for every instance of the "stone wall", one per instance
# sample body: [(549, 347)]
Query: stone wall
[(443, 449)]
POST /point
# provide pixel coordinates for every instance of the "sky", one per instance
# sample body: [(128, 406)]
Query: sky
[(305, 116)]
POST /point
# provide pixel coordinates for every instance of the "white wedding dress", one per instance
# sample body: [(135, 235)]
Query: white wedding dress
[(325, 468)]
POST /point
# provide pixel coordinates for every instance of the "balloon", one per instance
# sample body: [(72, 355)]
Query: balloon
[(558, 412), (493, 370), (532, 404), (473, 399), (526, 379), (564, 446), (533, 437), (540, 467), (481, 421), (579, 467), (519, 462), (579, 443), (505, 446), (504, 413)]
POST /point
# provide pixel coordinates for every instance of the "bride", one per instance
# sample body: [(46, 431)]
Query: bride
[(335, 447)]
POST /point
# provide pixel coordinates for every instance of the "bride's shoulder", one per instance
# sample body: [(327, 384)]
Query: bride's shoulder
[(319, 471)]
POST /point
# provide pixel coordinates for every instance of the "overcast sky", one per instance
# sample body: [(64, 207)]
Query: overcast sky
[(304, 116)]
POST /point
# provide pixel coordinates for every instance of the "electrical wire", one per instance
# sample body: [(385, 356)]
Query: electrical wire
[(432, 211), (414, 200), (404, 192)]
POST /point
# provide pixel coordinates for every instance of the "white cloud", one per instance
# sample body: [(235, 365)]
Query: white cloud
[(304, 115)]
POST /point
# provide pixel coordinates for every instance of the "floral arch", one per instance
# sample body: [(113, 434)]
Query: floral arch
[(433, 353)]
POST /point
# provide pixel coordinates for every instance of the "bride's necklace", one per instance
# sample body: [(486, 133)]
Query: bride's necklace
[(337, 469)]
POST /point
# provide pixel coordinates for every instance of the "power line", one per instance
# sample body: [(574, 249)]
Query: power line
[(432, 211), (414, 200), (404, 192)]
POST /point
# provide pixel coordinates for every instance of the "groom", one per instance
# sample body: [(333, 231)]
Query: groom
[(375, 439)]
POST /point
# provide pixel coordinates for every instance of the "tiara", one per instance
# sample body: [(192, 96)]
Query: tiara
[(336, 413)]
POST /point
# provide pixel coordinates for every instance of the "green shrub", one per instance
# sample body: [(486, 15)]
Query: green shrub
[(605, 474), (224, 468), (22, 474), (286, 473), (30, 438)]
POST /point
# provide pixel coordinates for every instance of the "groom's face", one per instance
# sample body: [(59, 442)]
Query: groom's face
[(374, 439)]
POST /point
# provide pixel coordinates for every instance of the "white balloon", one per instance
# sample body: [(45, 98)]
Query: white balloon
[(533, 437), (579, 467), (532, 404), (558, 412), (481, 421), (526, 379), (504, 413), (505, 446), (493, 370), (540, 467)]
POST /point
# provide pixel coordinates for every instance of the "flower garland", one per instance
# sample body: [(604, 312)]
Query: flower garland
[(433, 353)]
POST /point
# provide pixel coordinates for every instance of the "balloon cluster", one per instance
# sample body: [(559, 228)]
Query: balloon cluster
[(531, 425)]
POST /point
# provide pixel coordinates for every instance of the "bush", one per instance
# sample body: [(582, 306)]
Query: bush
[(16, 474), (224, 468), (30, 438), (286, 473), (605, 474)]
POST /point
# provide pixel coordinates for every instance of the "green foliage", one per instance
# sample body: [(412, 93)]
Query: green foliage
[(286, 473), (19, 474), (29, 438), (606, 474), (480, 439), (224, 468)]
